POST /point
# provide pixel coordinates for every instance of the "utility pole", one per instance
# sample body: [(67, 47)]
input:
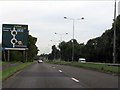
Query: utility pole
[(114, 41)]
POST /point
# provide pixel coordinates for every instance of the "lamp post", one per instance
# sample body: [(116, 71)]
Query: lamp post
[(114, 41), (73, 19), (61, 34)]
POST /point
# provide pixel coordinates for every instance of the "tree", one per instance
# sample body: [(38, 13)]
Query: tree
[(66, 50), (32, 48), (55, 54), (99, 49), (118, 38)]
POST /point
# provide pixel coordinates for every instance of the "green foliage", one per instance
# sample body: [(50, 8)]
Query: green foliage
[(16, 56), (55, 54), (65, 51), (99, 49), (32, 48)]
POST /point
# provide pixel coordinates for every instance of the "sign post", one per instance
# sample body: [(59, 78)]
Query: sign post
[(14, 37)]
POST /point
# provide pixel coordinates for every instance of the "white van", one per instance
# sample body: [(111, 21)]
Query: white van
[(82, 60)]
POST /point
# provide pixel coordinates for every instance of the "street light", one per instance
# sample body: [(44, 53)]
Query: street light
[(73, 19), (61, 34), (114, 41)]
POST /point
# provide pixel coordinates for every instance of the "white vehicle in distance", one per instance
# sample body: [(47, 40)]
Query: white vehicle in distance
[(82, 60), (40, 61)]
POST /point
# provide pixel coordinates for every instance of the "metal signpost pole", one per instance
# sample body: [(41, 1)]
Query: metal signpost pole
[(8, 55)]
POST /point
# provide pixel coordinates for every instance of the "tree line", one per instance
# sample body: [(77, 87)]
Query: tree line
[(18, 55), (99, 49)]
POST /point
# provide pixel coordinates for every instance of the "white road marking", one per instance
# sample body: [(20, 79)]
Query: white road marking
[(75, 80), (60, 70), (53, 67)]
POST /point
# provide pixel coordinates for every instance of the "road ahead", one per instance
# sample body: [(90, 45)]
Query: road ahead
[(57, 76)]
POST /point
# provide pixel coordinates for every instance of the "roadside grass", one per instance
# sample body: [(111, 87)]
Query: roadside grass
[(10, 71), (98, 67), (0, 61), (3, 63)]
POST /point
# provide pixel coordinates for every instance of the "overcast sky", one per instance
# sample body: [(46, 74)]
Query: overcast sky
[(47, 17)]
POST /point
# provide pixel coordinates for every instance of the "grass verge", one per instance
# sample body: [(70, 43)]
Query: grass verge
[(98, 67), (4, 63), (10, 71)]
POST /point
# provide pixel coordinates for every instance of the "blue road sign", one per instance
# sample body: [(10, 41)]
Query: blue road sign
[(14, 36)]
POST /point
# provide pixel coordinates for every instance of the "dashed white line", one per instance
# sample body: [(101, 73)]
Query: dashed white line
[(75, 80), (60, 70), (53, 67)]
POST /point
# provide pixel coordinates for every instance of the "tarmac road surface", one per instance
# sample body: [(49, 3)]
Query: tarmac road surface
[(42, 75)]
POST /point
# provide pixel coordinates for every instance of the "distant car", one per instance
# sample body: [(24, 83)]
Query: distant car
[(40, 61)]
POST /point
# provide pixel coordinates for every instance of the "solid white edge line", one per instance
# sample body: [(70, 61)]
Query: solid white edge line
[(75, 80), (60, 70)]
